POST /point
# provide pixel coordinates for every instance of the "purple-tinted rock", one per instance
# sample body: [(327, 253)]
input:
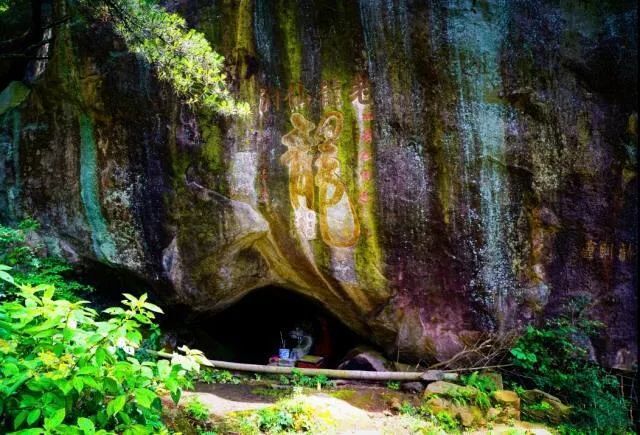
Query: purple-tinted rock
[(469, 167)]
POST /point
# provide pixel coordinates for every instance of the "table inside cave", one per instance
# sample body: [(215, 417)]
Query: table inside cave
[(306, 362)]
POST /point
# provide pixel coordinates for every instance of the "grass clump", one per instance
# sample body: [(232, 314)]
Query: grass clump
[(483, 386), (297, 379), (197, 410), (213, 376), (291, 415)]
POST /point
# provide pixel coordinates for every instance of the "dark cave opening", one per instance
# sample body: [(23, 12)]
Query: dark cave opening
[(247, 331), (250, 330)]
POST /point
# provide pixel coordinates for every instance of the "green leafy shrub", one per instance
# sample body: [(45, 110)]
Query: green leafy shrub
[(552, 359), (480, 382), (197, 410), (213, 376), (30, 267), (393, 385), (446, 421), (407, 408), (64, 371), (540, 406), (181, 56)]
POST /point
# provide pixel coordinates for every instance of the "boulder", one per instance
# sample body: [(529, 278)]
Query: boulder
[(444, 388), (507, 398), (365, 358), (395, 405), (469, 415), (412, 387), (438, 404), (509, 401), (465, 414), (493, 414)]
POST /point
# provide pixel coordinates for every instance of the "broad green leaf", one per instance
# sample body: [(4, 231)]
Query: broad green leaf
[(130, 297), (87, 426), (116, 405), (6, 277), (175, 395), (55, 420), (64, 386), (48, 293), (78, 384), (111, 384), (33, 416), (124, 418), (20, 418), (10, 369), (144, 397), (114, 311), (101, 355), (164, 368), (88, 380)]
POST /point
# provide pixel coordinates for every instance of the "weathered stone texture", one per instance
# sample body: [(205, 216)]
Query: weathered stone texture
[(455, 166)]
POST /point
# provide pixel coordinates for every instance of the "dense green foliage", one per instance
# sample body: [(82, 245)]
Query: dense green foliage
[(552, 359), (63, 370), (21, 249), (181, 56)]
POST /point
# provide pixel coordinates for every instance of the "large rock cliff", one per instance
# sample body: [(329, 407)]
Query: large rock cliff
[(426, 170)]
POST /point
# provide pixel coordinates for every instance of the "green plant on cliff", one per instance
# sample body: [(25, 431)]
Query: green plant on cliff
[(63, 370), (21, 249), (181, 56), (554, 359)]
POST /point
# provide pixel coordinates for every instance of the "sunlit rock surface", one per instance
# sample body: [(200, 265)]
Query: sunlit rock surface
[(426, 170)]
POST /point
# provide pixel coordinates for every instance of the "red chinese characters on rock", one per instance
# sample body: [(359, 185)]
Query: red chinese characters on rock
[(361, 99)]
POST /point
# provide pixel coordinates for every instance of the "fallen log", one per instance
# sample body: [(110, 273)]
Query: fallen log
[(429, 375)]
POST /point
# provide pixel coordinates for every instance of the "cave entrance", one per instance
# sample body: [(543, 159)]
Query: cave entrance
[(251, 330)]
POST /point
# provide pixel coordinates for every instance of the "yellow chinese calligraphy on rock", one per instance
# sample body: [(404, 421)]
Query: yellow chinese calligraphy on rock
[(299, 159), (339, 226)]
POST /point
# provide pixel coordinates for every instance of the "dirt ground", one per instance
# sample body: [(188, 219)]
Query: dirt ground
[(355, 408)]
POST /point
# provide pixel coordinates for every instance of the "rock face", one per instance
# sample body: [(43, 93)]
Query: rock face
[(426, 170)]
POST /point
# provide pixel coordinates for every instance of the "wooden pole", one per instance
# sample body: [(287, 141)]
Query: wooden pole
[(429, 375)]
